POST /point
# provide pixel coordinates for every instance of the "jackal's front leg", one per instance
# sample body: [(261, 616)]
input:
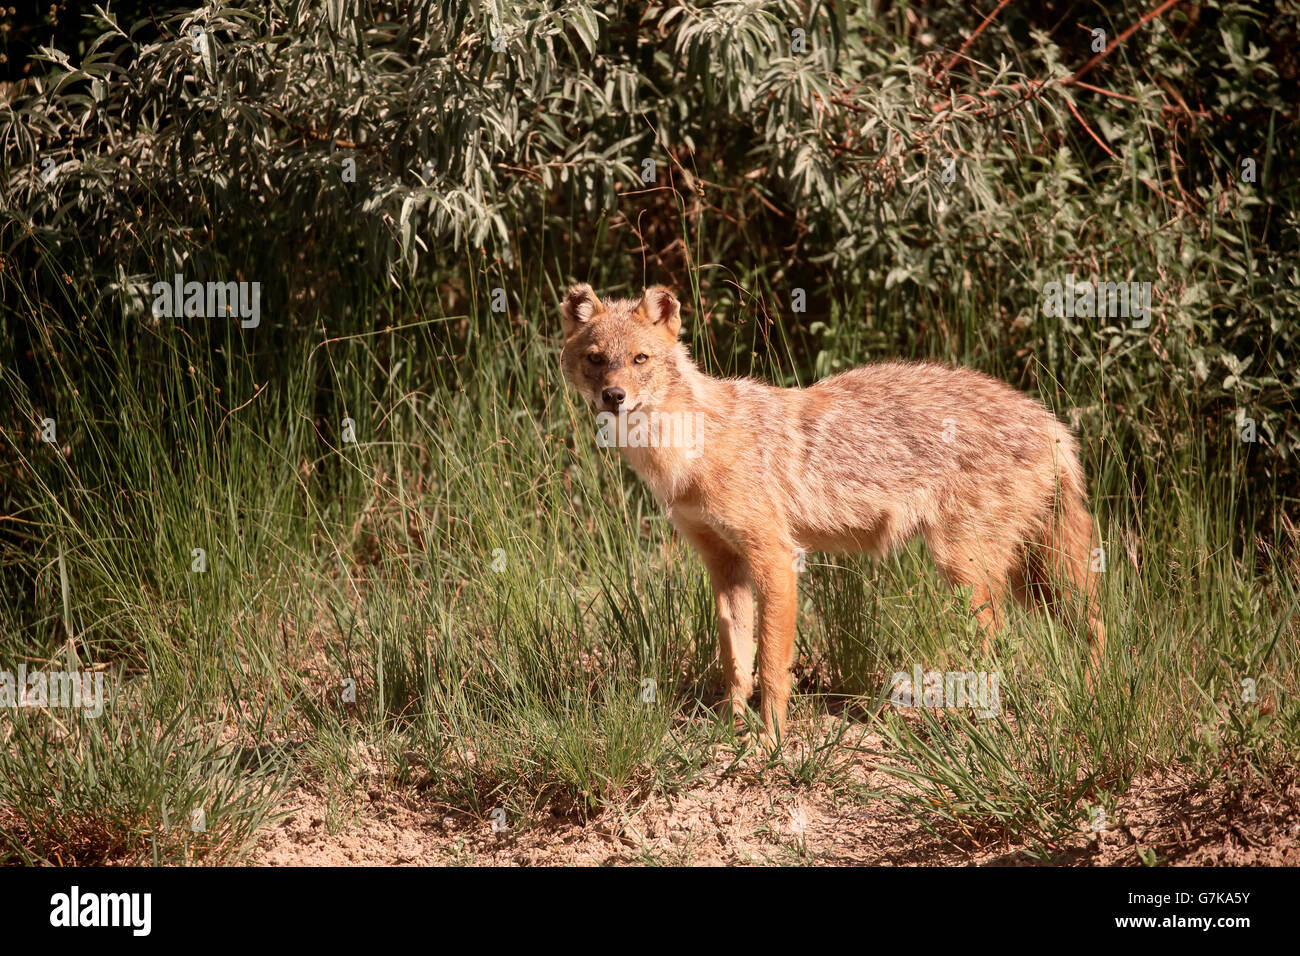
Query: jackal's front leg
[(735, 604), (734, 599), (775, 580)]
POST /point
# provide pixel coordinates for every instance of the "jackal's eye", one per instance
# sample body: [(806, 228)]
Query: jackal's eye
[(641, 358), (595, 358)]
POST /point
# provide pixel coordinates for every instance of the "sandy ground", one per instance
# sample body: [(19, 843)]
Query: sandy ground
[(737, 818)]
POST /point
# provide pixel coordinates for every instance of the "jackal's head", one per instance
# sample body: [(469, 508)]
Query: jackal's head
[(623, 354)]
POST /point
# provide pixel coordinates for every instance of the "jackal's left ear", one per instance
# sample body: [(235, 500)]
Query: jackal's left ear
[(662, 309), (578, 308)]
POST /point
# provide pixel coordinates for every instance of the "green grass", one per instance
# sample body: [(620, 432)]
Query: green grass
[(500, 593)]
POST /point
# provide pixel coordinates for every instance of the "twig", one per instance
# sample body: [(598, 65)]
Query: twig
[(1110, 47), (1084, 124), (952, 60), (260, 388), (1104, 92)]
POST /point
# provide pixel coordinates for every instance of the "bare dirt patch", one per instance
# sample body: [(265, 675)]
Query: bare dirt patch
[(744, 818)]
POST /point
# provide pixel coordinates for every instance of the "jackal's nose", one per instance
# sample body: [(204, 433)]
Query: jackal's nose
[(613, 397)]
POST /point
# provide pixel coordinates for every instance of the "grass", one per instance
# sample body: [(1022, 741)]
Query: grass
[(472, 603)]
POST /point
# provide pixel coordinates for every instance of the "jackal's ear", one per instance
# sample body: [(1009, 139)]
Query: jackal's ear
[(579, 306), (662, 309)]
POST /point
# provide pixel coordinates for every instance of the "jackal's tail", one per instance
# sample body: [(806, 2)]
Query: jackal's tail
[(1065, 565)]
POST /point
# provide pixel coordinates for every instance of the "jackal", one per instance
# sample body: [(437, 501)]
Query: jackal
[(861, 462)]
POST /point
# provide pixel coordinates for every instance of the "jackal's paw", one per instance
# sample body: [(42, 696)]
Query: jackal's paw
[(750, 732), (739, 712)]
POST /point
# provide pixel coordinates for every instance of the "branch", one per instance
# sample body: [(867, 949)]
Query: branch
[(952, 60), (1110, 47)]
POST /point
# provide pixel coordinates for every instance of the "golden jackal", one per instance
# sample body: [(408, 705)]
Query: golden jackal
[(861, 461)]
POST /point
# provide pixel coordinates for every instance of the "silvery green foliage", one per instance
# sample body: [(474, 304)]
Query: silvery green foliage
[(851, 158)]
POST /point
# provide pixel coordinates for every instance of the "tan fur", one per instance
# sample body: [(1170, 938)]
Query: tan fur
[(862, 461)]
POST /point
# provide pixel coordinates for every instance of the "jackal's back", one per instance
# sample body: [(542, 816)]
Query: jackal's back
[(867, 458)]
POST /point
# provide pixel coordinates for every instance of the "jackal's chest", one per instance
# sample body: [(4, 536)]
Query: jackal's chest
[(667, 472)]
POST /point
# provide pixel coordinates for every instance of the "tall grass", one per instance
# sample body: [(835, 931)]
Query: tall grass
[(473, 600)]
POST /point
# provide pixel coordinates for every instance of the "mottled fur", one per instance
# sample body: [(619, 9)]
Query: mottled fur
[(862, 461)]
